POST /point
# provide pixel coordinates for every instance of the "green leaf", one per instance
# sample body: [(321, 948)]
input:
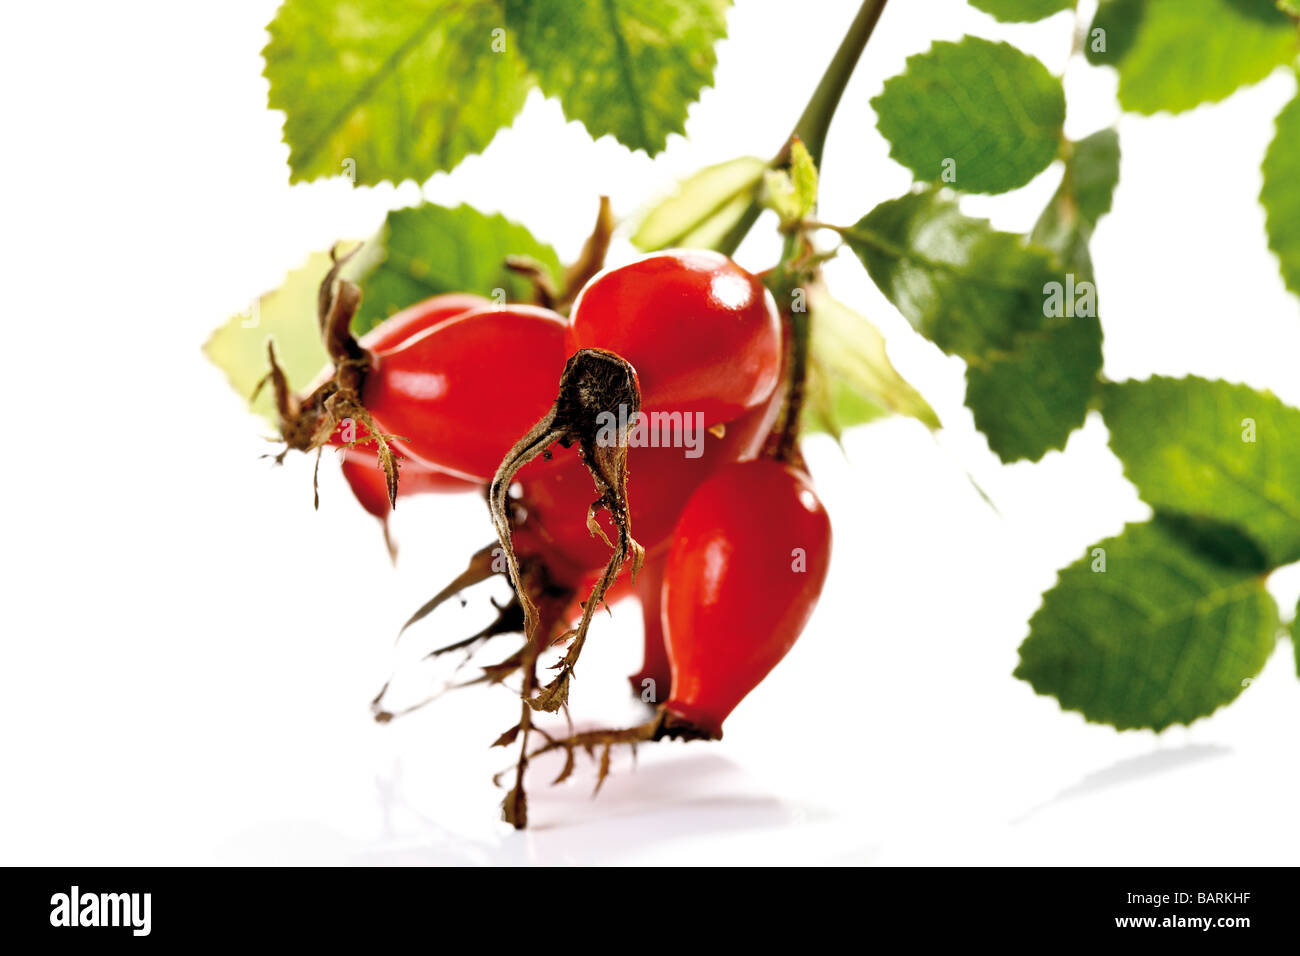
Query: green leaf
[(1290, 7), (1280, 195), (968, 288), (978, 115), (1164, 635), (831, 406), (1220, 542), (287, 315), (381, 91), (854, 381), (1188, 52), (1084, 196), (984, 295), (1113, 31), (1029, 400), (625, 67), (427, 250), (703, 208), (1213, 450), (1021, 11)]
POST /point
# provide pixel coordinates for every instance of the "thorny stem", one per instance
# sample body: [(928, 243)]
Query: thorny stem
[(663, 725), (815, 121)]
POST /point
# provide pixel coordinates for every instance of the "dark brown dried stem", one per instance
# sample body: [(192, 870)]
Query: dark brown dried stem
[(553, 603), (664, 725), (514, 808)]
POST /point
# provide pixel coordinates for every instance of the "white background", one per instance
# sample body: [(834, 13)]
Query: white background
[(189, 649)]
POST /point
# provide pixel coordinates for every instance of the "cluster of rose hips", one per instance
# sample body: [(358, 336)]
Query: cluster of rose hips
[(640, 429)]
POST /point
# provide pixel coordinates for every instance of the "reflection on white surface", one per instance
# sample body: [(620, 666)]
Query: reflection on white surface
[(1130, 770)]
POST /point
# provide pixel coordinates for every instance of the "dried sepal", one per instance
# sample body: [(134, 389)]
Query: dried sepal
[(509, 620), (508, 737), (592, 258), (554, 695), (538, 277), (478, 569), (567, 770), (514, 808), (306, 424), (603, 772)]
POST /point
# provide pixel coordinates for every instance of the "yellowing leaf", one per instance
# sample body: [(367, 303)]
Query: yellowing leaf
[(852, 378), (287, 315), (390, 91), (703, 208)]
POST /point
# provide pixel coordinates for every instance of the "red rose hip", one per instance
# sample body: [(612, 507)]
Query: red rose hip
[(745, 568), (702, 333)]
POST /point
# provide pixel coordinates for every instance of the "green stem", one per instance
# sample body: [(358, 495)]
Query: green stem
[(783, 443), (815, 121), (816, 118)]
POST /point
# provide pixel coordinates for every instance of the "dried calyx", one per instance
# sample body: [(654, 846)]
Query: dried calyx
[(589, 262), (308, 423), (597, 388)]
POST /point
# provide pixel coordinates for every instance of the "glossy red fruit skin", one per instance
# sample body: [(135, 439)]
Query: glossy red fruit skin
[(360, 466), (464, 391), (733, 603), (556, 494), (420, 317), (409, 322), (654, 658), (702, 333)]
